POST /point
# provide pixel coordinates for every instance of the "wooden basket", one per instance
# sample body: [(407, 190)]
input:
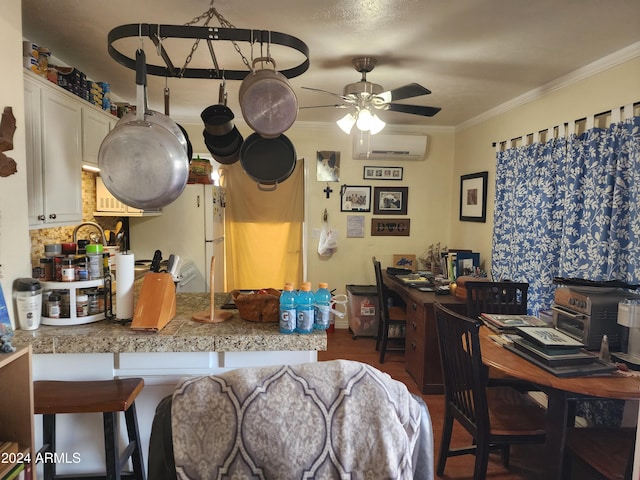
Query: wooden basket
[(258, 307)]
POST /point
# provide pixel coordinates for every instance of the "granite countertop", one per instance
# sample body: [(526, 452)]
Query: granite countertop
[(180, 335)]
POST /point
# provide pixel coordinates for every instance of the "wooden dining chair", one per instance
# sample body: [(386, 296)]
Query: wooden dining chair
[(608, 451), (495, 417), (507, 298), (393, 311)]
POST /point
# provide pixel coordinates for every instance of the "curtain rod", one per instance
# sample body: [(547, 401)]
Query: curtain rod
[(566, 124)]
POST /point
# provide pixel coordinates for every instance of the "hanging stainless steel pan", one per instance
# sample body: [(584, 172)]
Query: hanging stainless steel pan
[(268, 161), (144, 163), (269, 104)]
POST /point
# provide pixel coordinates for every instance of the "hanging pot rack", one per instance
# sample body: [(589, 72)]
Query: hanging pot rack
[(160, 33)]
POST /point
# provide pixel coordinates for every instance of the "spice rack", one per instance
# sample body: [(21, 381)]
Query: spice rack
[(73, 318)]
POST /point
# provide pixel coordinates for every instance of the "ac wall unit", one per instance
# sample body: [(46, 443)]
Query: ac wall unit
[(389, 147)]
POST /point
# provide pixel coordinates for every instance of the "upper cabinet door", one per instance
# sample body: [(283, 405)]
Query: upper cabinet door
[(62, 153), (95, 126), (33, 134)]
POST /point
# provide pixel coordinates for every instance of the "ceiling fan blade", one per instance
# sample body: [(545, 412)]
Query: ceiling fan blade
[(406, 91), (413, 109), (330, 93), (335, 105)]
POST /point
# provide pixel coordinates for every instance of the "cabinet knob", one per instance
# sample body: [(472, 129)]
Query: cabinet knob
[(41, 217), (52, 216), (414, 307), (413, 345), (414, 325)]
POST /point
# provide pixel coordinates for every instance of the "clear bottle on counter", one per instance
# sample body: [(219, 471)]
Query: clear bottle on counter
[(94, 304), (67, 270), (82, 305), (46, 269), (305, 309), (322, 311), (95, 260), (288, 309), (53, 306)]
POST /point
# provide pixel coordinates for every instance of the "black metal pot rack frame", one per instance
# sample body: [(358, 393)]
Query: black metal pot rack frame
[(157, 33)]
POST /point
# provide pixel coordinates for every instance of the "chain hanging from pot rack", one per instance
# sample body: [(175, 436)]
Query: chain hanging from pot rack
[(190, 30)]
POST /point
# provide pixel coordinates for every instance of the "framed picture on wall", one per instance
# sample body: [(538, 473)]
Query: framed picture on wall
[(355, 198), (382, 173), (390, 200), (473, 197)]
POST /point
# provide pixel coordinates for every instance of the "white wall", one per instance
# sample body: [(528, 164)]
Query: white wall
[(611, 88), (15, 247)]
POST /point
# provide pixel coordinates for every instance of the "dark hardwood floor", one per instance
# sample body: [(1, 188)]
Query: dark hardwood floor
[(526, 461)]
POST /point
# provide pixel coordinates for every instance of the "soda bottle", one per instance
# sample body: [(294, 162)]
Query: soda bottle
[(322, 307), (288, 309), (304, 309)]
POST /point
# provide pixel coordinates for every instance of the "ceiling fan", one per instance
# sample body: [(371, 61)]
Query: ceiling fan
[(365, 97)]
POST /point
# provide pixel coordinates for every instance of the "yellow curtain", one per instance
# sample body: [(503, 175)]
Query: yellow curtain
[(263, 230)]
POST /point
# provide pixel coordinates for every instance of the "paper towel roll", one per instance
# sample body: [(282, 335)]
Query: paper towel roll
[(125, 277)]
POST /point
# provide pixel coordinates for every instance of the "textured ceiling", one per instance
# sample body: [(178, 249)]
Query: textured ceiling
[(473, 55)]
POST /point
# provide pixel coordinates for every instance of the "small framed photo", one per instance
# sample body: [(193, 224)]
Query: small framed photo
[(328, 166), (355, 198), (390, 200), (382, 173), (473, 197)]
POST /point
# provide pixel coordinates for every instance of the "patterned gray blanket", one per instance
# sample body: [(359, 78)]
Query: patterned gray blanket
[(324, 420)]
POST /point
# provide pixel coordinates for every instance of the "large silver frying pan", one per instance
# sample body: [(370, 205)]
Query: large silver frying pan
[(143, 161)]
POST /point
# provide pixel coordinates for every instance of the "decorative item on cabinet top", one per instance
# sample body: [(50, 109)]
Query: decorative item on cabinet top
[(8, 165)]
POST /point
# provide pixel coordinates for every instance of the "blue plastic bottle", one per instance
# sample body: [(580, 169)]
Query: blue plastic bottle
[(322, 307), (304, 309), (288, 309)]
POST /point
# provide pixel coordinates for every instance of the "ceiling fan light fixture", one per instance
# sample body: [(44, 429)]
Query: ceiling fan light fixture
[(346, 123), (376, 124), (364, 121)]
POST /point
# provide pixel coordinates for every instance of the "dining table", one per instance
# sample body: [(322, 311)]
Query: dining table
[(560, 392)]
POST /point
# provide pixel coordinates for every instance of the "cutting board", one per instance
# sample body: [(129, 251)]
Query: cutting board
[(156, 304)]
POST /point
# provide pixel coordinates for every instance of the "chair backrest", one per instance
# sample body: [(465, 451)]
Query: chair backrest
[(382, 292), (462, 369), (507, 298)]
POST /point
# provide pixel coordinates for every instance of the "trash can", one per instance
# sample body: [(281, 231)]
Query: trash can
[(363, 311)]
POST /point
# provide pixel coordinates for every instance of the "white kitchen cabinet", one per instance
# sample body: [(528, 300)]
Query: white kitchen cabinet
[(54, 154), (96, 124)]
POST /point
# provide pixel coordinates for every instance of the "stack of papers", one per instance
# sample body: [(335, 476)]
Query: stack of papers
[(557, 352), (508, 323)]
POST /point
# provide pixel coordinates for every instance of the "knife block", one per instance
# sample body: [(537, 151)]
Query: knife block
[(156, 304)]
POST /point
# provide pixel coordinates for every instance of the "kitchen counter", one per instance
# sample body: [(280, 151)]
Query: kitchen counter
[(180, 335)]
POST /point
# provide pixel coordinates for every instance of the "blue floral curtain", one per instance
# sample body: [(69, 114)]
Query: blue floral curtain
[(569, 207)]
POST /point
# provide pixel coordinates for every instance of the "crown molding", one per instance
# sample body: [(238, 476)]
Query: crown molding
[(617, 58)]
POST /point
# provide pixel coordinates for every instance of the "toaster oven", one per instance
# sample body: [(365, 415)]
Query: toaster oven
[(589, 313)]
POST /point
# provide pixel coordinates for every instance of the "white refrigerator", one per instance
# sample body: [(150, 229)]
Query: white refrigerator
[(191, 227)]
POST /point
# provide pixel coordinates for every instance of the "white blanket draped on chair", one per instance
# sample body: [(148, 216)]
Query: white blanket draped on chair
[(325, 420)]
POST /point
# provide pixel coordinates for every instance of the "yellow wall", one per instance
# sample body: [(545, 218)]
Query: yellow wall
[(429, 182), (474, 152)]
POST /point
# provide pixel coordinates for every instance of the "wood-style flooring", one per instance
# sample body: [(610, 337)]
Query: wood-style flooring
[(526, 460)]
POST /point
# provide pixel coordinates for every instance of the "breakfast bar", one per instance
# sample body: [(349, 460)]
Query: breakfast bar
[(108, 349)]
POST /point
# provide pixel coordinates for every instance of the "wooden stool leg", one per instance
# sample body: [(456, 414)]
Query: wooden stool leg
[(49, 442), (134, 436), (111, 447)]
